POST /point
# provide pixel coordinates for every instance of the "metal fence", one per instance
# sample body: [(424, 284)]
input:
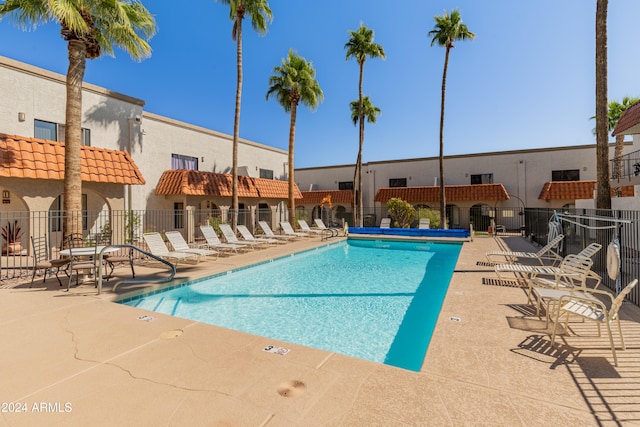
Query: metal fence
[(16, 260)]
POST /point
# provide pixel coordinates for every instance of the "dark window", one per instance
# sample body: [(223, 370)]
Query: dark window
[(178, 161), (398, 182), (55, 132), (566, 175), (266, 173), (178, 215), (345, 185), (482, 178)]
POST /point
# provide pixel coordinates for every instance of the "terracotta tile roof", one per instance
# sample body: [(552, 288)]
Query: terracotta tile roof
[(630, 121), (453, 193), (575, 190), (337, 196), (34, 158), (198, 183)]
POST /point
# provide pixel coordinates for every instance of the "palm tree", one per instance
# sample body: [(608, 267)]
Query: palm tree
[(294, 81), (603, 188), (260, 14), (92, 28), (370, 112), (360, 46), (448, 29)]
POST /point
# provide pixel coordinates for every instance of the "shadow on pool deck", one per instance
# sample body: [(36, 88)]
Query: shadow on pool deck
[(84, 360)]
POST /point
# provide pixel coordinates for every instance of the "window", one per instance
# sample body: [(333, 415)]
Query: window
[(345, 185), (55, 132), (483, 178), (566, 175), (178, 161), (178, 215), (398, 182), (266, 173)]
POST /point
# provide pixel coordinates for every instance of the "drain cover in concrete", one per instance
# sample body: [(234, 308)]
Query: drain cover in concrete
[(292, 388), (167, 335)]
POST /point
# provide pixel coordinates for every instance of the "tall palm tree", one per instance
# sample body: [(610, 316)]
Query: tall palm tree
[(603, 188), (370, 112), (294, 81), (92, 28), (361, 46), (260, 14), (447, 30)]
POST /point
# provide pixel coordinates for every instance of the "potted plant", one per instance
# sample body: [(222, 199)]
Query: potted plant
[(11, 235)]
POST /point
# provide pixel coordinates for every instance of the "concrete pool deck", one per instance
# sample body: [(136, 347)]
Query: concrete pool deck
[(76, 358)]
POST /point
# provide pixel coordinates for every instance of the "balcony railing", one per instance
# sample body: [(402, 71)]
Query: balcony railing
[(625, 167)]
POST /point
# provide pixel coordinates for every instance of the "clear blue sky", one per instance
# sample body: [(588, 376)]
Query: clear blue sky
[(527, 81)]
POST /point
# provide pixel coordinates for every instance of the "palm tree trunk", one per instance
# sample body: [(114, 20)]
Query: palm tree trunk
[(603, 196), (360, 142), (236, 127), (354, 201), (443, 202), (73, 137), (292, 138), (617, 165)]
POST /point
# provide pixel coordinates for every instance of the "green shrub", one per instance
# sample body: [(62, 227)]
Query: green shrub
[(401, 212)]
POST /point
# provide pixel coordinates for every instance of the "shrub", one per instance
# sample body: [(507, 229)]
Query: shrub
[(401, 212)]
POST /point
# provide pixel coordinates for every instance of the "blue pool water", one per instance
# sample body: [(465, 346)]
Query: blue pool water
[(371, 299)]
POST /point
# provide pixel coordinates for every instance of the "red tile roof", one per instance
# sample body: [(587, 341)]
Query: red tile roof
[(198, 183), (453, 193), (34, 158), (574, 190), (337, 196), (629, 120)]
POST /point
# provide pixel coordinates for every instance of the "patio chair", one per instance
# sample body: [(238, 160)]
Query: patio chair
[(588, 307), (214, 242), (269, 233), (547, 252), (385, 223), (158, 248), (43, 260), (246, 235), (306, 229), (231, 237), (289, 231), (181, 245), (424, 223), (123, 256)]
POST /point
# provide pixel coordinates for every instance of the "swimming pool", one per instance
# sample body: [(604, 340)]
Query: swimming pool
[(371, 299)]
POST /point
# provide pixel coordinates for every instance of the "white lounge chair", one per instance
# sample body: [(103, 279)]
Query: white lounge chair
[(289, 231), (231, 237), (269, 233), (246, 235), (588, 307), (385, 223), (547, 252), (321, 226), (214, 242), (424, 223), (158, 248), (181, 245), (306, 229)]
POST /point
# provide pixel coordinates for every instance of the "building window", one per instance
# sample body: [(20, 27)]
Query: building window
[(566, 175), (266, 173), (345, 185), (482, 178), (398, 182), (55, 132), (178, 161), (178, 215)]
